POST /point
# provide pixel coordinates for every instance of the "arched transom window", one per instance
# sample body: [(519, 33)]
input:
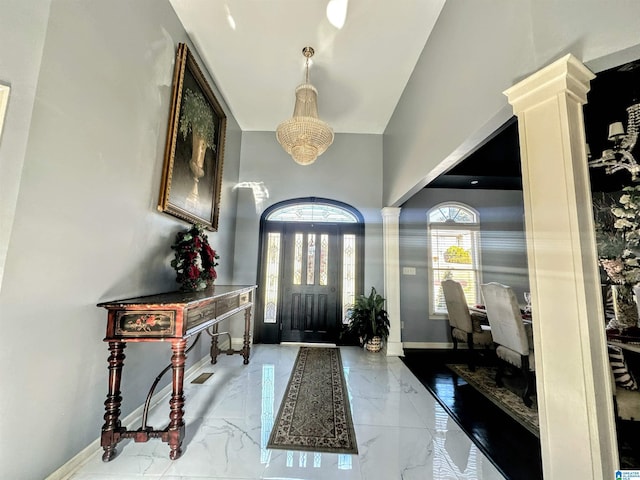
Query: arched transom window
[(453, 233), (311, 212)]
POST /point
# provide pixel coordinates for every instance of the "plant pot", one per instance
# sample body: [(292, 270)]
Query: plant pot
[(374, 344)]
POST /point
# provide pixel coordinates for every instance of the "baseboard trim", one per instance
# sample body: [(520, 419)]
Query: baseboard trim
[(306, 344), (130, 422), (431, 345)]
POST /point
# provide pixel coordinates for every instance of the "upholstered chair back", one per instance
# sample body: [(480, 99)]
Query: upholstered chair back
[(503, 313), (457, 307)]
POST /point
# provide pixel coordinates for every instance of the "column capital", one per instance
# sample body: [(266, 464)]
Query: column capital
[(390, 212), (565, 75)]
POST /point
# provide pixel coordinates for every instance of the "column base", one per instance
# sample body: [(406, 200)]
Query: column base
[(394, 349)]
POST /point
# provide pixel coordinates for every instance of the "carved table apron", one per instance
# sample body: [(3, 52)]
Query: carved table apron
[(166, 317)]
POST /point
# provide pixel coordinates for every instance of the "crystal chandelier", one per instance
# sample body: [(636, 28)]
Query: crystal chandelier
[(304, 136), (619, 157)]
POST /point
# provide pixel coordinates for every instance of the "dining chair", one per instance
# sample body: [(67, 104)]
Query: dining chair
[(463, 328), (509, 334)]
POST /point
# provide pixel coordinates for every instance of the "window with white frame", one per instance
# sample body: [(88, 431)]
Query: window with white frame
[(453, 238)]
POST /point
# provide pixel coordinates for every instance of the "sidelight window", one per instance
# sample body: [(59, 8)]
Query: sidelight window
[(271, 284)]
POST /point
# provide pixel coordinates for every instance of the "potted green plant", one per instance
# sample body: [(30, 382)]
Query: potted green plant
[(369, 321)]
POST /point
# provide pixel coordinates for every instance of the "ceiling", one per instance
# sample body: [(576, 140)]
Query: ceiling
[(496, 163), (253, 51)]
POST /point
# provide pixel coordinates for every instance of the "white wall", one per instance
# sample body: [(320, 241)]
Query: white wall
[(477, 50), (86, 226), (349, 171)]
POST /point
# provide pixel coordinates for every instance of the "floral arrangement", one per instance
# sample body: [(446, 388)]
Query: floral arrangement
[(197, 117), (618, 237), (194, 260)]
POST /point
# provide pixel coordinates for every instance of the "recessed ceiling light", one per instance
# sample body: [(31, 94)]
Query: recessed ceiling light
[(474, 182)]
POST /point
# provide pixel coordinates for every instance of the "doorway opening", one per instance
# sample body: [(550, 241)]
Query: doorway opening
[(310, 270)]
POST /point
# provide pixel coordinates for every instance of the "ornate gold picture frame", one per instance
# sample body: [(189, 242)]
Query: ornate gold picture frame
[(194, 149)]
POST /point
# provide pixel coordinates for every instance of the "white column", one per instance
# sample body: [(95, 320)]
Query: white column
[(391, 245), (577, 429)]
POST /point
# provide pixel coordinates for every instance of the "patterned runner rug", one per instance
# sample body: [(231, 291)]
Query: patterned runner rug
[(483, 380), (314, 414)]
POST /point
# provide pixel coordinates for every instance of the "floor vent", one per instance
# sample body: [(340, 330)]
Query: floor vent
[(203, 377)]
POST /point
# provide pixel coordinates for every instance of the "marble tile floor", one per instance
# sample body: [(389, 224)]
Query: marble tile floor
[(401, 430)]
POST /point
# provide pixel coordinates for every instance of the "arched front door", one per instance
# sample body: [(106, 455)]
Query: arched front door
[(310, 270)]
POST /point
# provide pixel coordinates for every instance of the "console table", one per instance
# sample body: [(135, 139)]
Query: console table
[(168, 317)]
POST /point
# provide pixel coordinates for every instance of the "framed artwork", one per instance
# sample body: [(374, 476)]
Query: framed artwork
[(194, 149)]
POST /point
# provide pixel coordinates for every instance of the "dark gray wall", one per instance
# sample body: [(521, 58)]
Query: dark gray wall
[(502, 252)]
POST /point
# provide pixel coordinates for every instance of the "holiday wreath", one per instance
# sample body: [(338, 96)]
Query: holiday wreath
[(194, 260)]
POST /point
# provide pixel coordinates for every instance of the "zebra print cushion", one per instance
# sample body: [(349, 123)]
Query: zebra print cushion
[(621, 373), (609, 312)]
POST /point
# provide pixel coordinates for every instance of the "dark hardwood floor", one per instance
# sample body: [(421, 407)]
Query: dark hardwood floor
[(511, 448)]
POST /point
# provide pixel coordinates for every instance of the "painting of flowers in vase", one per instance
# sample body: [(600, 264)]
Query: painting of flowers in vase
[(192, 174)]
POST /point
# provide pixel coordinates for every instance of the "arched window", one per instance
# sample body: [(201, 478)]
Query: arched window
[(310, 268), (312, 212), (453, 237)]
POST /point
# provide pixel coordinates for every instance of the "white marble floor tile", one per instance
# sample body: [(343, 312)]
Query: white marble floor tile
[(416, 454), (132, 460), (221, 448), (402, 432), (118, 476), (285, 464), (391, 409)]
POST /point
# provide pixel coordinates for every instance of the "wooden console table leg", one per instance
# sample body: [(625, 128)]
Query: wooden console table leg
[(246, 347), (215, 351), (176, 404), (111, 428)]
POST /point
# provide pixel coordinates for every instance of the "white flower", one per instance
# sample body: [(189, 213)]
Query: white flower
[(625, 198), (619, 212), (623, 223), (633, 235)]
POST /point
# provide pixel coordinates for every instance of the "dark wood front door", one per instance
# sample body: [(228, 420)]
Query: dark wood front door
[(310, 283)]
